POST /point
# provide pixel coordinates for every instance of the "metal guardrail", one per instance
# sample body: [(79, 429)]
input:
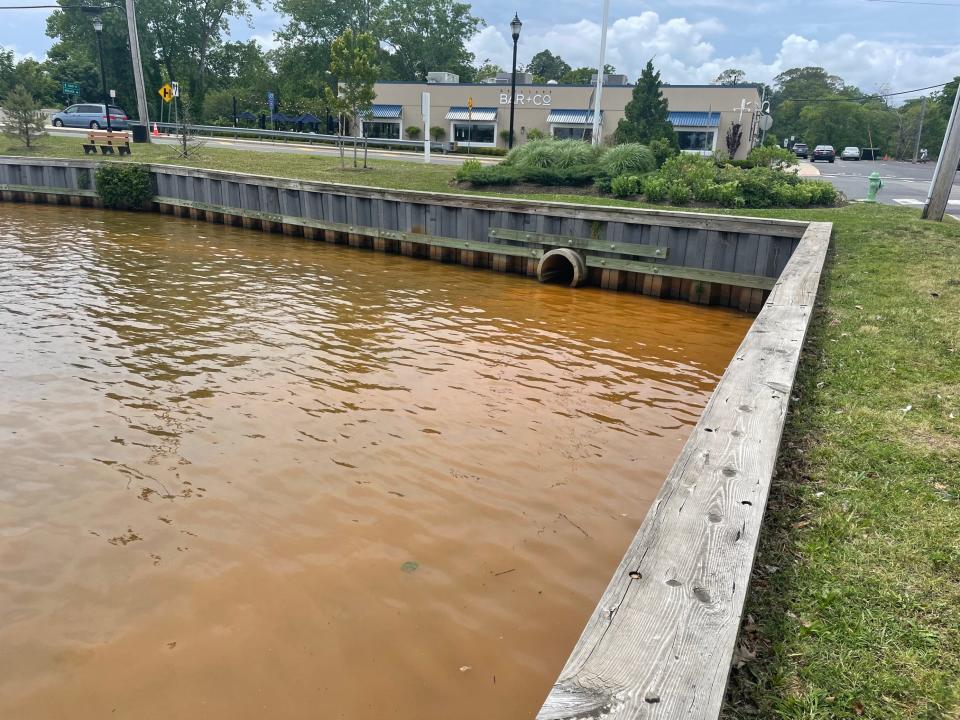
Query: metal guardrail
[(308, 137)]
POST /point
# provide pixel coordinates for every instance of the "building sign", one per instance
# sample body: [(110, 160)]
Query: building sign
[(526, 99)]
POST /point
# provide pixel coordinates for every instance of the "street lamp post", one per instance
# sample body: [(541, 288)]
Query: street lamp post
[(98, 26), (515, 26)]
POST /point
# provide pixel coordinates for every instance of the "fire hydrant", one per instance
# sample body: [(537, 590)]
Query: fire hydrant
[(873, 186)]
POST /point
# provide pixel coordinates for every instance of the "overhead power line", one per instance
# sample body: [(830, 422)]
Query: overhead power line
[(918, 2), (863, 98)]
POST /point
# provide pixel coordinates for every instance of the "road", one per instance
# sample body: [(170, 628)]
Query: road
[(904, 183), (300, 148)]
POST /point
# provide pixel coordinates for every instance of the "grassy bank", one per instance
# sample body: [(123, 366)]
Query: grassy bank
[(854, 608)]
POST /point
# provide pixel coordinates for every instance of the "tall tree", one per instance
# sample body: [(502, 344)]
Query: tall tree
[(176, 39), (646, 116), (583, 75), (353, 61), (547, 66), (731, 76)]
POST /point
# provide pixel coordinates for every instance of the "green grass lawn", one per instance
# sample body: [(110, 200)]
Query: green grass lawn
[(854, 608)]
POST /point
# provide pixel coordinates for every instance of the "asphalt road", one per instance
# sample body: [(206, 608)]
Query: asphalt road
[(904, 183), (301, 148)]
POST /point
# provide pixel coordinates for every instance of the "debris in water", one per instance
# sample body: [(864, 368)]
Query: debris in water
[(409, 566)]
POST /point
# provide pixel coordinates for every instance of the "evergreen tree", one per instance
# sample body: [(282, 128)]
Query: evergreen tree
[(646, 117), (22, 117)]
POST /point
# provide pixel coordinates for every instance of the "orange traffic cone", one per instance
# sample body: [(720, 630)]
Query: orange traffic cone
[(156, 133)]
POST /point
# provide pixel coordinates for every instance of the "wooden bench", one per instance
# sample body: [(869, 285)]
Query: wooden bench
[(107, 141)]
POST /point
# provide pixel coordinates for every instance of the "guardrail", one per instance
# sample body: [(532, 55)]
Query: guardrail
[(308, 137)]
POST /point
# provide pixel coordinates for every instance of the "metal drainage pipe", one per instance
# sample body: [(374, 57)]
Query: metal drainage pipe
[(562, 266)]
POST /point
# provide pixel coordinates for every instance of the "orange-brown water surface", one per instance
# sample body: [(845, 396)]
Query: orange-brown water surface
[(249, 476)]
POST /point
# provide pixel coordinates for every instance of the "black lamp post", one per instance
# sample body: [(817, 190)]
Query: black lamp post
[(515, 26), (98, 26)]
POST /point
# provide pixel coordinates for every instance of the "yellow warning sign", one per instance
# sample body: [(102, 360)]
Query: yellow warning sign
[(166, 92)]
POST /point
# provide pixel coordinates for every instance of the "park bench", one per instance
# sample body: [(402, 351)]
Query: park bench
[(107, 141)]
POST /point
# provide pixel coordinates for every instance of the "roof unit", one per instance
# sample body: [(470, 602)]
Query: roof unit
[(523, 78), (610, 79), (443, 77)]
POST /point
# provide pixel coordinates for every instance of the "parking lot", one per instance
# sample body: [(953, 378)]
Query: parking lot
[(904, 183)]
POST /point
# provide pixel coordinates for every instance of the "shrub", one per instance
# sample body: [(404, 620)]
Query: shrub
[(728, 194), (821, 193), (124, 186), (679, 193), (662, 149), (505, 136), (771, 157), (656, 189), (570, 176), (535, 134), (466, 171), (627, 158), (481, 151), (491, 175), (602, 183), (625, 185), (437, 133), (691, 170), (413, 132)]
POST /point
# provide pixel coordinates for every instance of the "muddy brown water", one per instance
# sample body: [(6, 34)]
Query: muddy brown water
[(250, 476)]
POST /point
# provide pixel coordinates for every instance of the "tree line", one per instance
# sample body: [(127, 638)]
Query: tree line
[(190, 43)]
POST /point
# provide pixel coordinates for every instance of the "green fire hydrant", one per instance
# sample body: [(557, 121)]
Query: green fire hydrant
[(873, 186)]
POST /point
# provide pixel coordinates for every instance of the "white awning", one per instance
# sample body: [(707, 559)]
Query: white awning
[(479, 114)]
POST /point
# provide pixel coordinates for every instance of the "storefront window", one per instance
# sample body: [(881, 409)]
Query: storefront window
[(382, 130), (695, 140), (573, 133), (475, 134)]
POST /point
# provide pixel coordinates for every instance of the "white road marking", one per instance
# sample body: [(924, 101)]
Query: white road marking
[(907, 201)]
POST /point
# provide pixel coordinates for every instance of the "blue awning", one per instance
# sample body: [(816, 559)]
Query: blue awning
[(383, 112), (572, 117), (306, 118), (694, 119), (481, 114)]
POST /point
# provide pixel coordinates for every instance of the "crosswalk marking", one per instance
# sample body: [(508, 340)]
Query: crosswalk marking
[(914, 201)]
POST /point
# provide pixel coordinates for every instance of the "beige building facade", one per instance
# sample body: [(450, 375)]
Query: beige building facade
[(478, 114)]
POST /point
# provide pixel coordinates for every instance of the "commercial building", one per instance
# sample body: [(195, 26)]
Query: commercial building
[(701, 114)]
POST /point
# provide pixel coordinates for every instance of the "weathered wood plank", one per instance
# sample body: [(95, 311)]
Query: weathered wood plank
[(678, 271), (622, 248), (660, 642)]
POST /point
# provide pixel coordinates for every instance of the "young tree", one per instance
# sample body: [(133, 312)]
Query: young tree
[(22, 117), (353, 62), (547, 66), (646, 116)]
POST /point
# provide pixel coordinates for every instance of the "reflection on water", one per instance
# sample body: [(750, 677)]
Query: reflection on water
[(248, 476)]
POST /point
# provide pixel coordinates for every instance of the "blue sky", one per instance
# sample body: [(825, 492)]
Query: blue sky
[(872, 44)]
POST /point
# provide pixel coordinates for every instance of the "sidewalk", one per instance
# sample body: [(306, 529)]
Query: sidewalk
[(807, 169)]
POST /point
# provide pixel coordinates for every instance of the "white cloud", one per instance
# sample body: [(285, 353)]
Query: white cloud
[(683, 52)]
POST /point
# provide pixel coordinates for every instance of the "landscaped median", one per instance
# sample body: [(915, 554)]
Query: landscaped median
[(854, 607)]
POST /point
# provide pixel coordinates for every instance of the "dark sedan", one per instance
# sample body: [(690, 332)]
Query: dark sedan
[(824, 152), (801, 150)]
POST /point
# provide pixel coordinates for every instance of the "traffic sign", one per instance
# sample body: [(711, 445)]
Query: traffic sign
[(166, 92), (271, 101), (71, 88), (175, 86), (765, 122), (470, 102)]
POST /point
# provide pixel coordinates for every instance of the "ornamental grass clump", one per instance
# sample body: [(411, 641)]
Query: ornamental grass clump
[(628, 159)]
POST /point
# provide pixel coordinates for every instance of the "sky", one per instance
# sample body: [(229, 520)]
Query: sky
[(877, 45)]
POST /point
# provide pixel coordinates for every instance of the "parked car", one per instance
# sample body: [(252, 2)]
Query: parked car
[(801, 150), (824, 152), (90, 115), (850, 153)]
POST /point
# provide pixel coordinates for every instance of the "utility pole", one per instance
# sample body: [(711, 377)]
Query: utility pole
[(142, 108), (595, 140), (923, 111), (946, 170)]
